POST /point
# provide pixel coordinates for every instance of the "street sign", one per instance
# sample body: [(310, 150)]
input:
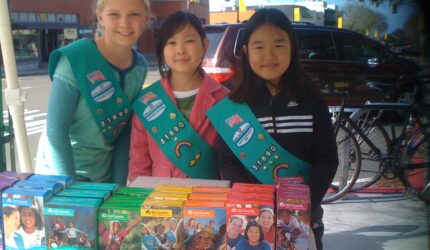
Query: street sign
[(242, 6), (71, 34), (297, 16)]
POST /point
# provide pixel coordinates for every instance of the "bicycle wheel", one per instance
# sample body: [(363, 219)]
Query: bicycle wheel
[(349, 165), (370, 161), (416, 153)]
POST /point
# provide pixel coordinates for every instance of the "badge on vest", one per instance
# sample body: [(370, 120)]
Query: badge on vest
[(155, 106)]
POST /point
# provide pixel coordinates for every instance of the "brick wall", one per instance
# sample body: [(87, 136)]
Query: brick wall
[(84, 8)]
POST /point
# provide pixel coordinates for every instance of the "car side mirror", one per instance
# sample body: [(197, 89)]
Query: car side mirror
[(373, 62)]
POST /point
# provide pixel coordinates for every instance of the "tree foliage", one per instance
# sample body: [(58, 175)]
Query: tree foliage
[(379, 2), (361, 18)]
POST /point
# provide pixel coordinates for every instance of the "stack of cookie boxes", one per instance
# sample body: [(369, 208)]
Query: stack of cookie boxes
[(71, 215), (119, 219), (250, 208), (293, 212), (23, 210), (7, 179), (184, 218)]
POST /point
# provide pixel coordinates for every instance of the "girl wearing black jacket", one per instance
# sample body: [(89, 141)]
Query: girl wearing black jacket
[(286, 104)]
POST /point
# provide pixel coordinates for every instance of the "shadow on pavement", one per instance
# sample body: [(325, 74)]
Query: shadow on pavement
[(372, 237)]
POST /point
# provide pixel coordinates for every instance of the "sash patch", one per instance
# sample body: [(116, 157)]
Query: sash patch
[(103, 92), (243, 134), (96, 76), (154, 110), (265, 158), (233, 120)]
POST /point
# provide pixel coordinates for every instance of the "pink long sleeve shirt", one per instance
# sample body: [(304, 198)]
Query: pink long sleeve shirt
[(146, 157)]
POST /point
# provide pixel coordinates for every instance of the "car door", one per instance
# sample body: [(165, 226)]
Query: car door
[(319, 59), (366, 63)]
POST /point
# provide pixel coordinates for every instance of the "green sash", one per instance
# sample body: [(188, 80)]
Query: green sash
[(252, 145), (177, 139), (105, 98)]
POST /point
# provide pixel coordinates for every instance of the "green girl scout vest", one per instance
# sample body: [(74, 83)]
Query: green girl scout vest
[(252, 145), (106, 100), (177, 139)]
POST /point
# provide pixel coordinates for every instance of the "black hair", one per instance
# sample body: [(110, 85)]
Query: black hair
[(170, 26), (292, 82), (38, 217), (253, 223), (158, 226)]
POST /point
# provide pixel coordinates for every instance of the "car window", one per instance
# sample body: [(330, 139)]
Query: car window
[(353, 48), (315, 45), (214, 36)]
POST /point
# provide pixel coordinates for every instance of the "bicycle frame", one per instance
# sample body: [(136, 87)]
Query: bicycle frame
[(391, 159)]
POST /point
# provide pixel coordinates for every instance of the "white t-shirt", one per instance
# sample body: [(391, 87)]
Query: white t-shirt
[(32, 240), (10, 242)]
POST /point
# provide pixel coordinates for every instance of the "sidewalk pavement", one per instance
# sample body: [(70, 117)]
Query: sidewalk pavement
[(376, 221), (43, 68)]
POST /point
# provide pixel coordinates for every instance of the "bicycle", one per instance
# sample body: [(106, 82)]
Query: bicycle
[(348, 154), (405, 155)]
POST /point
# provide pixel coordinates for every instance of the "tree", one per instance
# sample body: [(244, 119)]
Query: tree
[(361, 18)]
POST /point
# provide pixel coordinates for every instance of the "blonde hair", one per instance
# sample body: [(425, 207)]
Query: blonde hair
[(100, 6)]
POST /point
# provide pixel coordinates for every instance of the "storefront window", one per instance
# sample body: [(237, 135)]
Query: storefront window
[(23, 17), (70, 18), (51, 18), (32, 17), (60, 18), (25, 44)]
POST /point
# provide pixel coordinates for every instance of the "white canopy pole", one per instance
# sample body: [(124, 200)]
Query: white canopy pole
[(14, 96)]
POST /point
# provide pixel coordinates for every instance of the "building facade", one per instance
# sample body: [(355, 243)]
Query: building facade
[(40, 26)]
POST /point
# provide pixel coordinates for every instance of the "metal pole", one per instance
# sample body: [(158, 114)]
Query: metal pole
[(14, 96), (237, 11)]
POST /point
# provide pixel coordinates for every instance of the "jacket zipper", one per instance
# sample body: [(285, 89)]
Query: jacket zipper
[(273, 116)]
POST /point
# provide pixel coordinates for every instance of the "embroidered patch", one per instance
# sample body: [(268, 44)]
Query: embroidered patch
[(181, 144), (103, 92), (233, 120), (154, 110), (96, 76), (146, 98), (243, 134)]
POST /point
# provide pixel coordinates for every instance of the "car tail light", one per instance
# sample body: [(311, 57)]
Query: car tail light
[(219, 74)]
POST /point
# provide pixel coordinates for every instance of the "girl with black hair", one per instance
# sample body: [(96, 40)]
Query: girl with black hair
[(275, 123), (254, 238), (32, 228), (171, 135)]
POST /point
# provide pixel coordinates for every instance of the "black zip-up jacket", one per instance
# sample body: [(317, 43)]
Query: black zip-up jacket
[(303, 129)]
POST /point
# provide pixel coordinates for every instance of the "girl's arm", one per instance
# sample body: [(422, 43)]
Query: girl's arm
[(325, 153), (231, 168), (62, 106), (140, 163), (134, 223), (120, 156)]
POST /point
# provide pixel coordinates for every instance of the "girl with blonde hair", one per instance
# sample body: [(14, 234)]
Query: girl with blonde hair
[(94, 81)]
